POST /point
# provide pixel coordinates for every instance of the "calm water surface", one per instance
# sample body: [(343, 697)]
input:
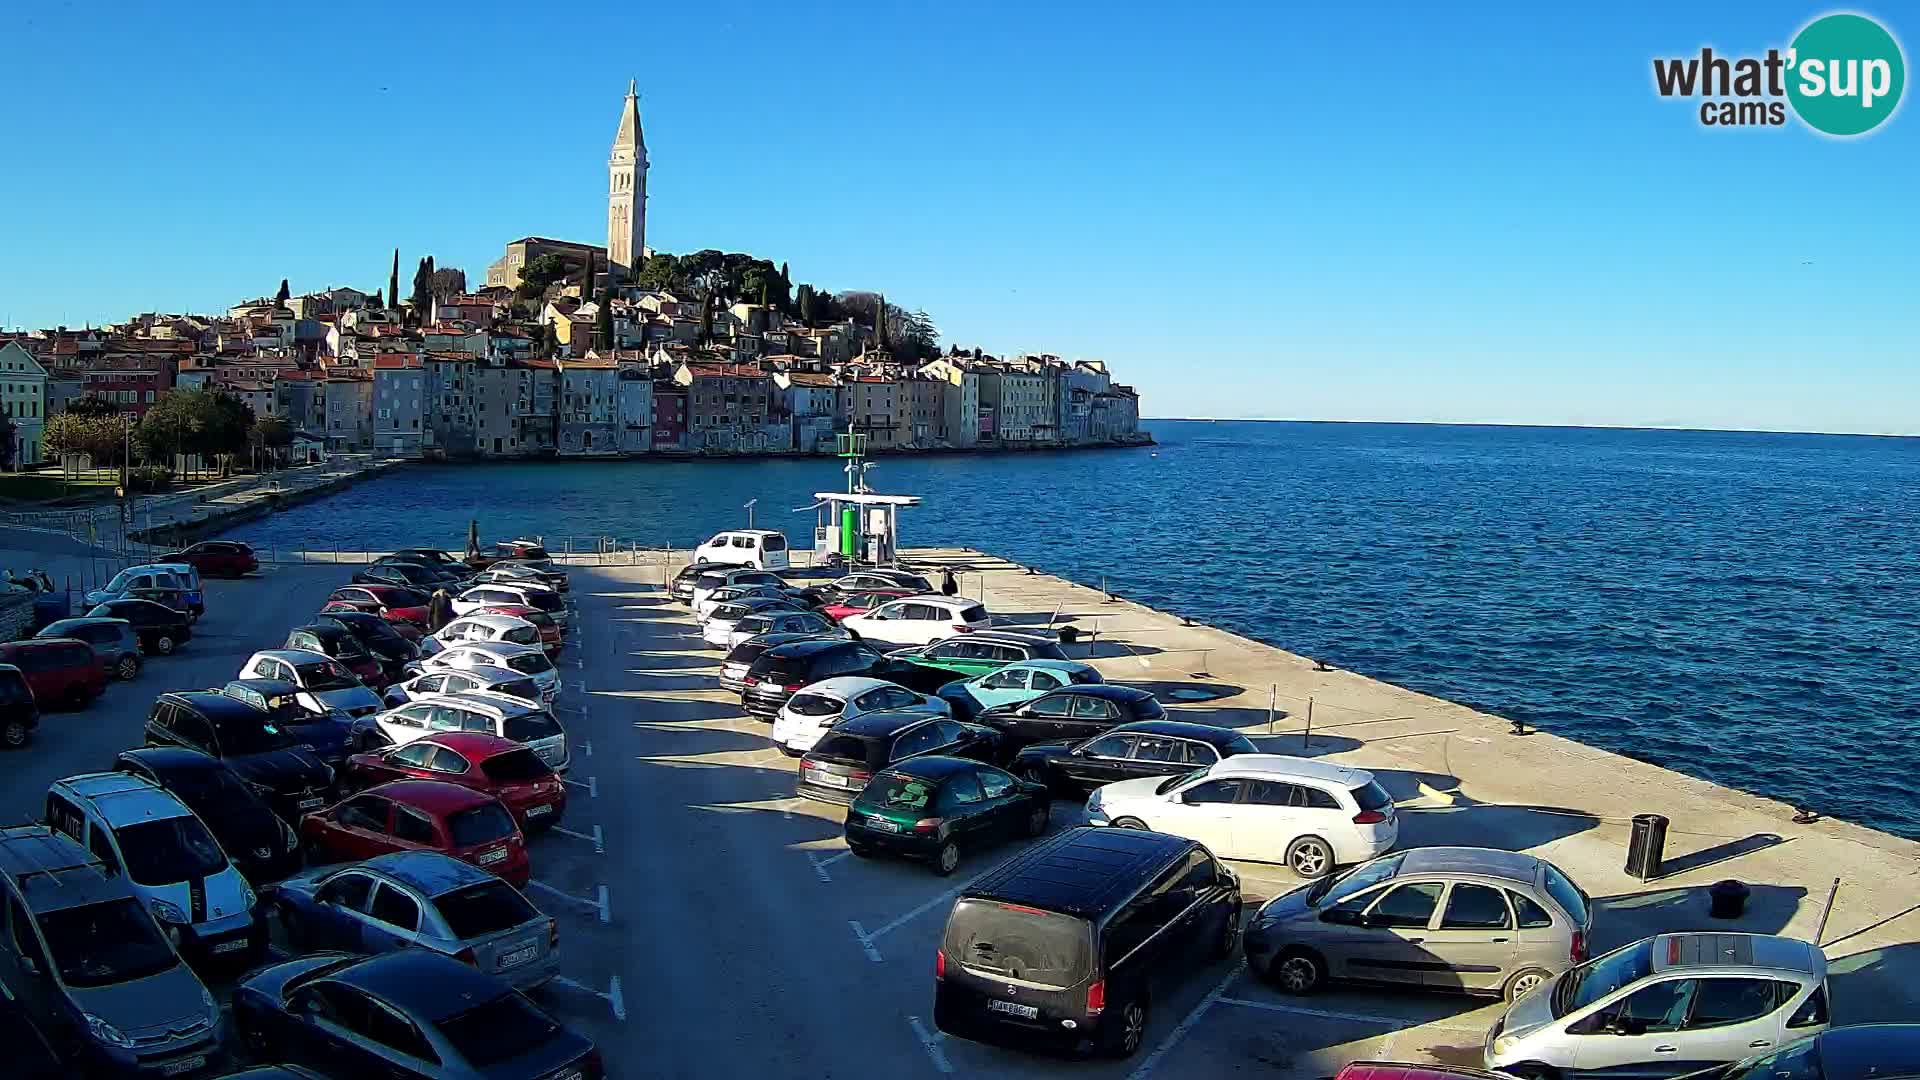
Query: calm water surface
[(1740, 607)]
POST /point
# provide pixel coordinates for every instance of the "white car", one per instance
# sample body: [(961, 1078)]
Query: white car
[(719, 577), (527, 594), (808, 714), (434, 683), (528, 660), (506, 628), (811, 623), (323, 683), (730, 593), (919, 620), (1310, 815), (717, 628), (763, 549), (479, 710)]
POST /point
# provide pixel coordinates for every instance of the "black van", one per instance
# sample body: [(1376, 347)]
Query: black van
[(1061, 945), (781, 671)]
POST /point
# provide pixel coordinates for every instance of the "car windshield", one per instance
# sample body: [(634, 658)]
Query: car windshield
[(1017, 942), (515, 767), (729, 612), (813, 705), (1603, 975), (480, 825), (709, 582), (1566, 894), (506, 1027), (897, 791), (1364, 876), (1175, 781), (325, 675), (532, 663), (107, 943), (528, 726), (753, 624), (486, 908), (213, 792), (258, 738), (169, 850), (120, 581)]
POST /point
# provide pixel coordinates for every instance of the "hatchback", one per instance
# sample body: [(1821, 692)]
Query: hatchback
[(1148, 748), (258, 841), (1073, 712), (717, 628), (1443, 918), (295, 713), (934, 808), (472, 710), (1665, 1006), (859, 602), (61, 671), (385, 640), (489, 628), (113, 640), (394, 603), (1855, 1052), (408, 575), (537, 597), (783, 670), (681, 587), (217, 558), (528, 660), (808, 714), (317, 675), (421, 900), (719, 577), (503, 768), (420, 815), (729, 593), (781, 621), (964, 656), (336, 641), (498, 680), (919, 620), (161, 629), (842, 762), (1065, 945), (1309, 815), (1016, 684), (551, 636), (733, 669), (540, 570)]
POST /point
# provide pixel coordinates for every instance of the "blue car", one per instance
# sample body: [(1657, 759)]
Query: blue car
[(1014, 684)]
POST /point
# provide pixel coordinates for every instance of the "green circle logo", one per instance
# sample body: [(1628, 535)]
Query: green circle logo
[(1846, 74)]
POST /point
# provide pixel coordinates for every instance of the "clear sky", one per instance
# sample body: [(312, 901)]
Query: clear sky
[(1371, 212)]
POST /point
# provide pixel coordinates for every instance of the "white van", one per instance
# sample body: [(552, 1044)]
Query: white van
[(762, 549)]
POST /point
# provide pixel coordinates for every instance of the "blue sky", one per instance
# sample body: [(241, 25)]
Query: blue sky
[(1380, 212)]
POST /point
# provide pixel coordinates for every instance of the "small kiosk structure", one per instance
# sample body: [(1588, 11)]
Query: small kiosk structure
[(858, 526)]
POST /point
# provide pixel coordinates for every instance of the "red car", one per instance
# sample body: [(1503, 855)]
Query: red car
[(61, 671), (1393, 1070), (217, 558), (550, 638), (420, 815), (507, 770), (393, 603), (862, 601), (406, 630)]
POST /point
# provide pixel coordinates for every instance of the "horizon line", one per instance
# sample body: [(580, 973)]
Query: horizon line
[(1526, 424)]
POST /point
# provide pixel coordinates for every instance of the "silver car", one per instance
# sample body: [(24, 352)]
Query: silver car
[(1665, 1006), (499, 680), (1445, 918)]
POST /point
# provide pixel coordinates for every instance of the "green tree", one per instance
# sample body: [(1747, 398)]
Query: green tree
[(379, 299), (706, 317), (662, 272), (538, 275), (270, 437), (603, 322), (422, 288), (806, 304), (284, 294), (586, 277), (449, 281), (92, 406), (393, 280)]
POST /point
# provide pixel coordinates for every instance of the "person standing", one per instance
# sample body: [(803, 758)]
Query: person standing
[(439, 611), (948, 586)]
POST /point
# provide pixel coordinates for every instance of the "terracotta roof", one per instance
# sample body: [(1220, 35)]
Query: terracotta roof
[(726, 371), (394, 361), (812, 378), (589, 362)]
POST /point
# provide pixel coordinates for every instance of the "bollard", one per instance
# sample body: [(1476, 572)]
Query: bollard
[(1820, 934)]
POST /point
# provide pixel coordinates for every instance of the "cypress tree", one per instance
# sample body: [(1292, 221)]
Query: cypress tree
[(603, 321), (393, 280), (806, 304), (284, 292), (880, 319)]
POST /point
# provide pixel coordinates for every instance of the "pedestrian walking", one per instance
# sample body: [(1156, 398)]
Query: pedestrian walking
[(948, 586)]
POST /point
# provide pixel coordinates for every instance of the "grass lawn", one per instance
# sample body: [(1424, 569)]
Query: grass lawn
[(48, 486)]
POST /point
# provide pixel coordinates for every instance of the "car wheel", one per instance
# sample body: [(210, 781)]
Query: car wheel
[(13, 734), (1036, 774), (1126, 1030), (163, 644), (1524, 982), (947, 860), (1532, 1070), (1310, 857), (1229, 936), (128, 667), (1297, 971), (1129, 823)]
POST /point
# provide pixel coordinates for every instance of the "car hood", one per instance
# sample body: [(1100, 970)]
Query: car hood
[(349, 698), (305, 883), (1532, 1012), (1285, 907), (243, 835), (327, 737), (1037, 751), (283, 770), (1138, 790), (171, 1000)]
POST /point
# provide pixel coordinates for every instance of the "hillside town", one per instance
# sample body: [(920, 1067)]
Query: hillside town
[(571, 350)]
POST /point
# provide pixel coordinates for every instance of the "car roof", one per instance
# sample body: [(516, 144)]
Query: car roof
[(747, 532), (1049, 664), (435, 795), (1769, 951), (846, 686), (431, 872), (1484, 862), (88, 620), (1177, 729), (1861, 1051), (291, 656), (40, 643), (487, 618), (319, 629), (119, 603), (501, 648), (53, 872), (881, 722), (1085, 871), (488, 673), (938, 599), (505, 704), (1400, 1070), (806, 647), (1108, 691), (931, 766), (473, 745), (422, 983), (124, 799), (171, 759), (214, 704), (265, 686), (1289, 768)]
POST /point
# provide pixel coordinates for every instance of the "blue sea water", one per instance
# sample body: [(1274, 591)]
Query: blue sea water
[(1740, 607)]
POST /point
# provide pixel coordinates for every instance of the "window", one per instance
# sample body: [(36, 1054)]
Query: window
[(1476, 907), (368, 812), (25, 941), (1531, 915), (1200, 874), (1110, 746), (414, 755), (1722, 1001), (347, 891), (995, 783), (1090, 708), (963, 789), (918, 741), (447, 761), (1200, 754), (395, 908), (102, 848), (1656, 1008), (1007, 680), (1408, 906), (1046, 680), (393, 1030), (1271, 793), (1312, 798), (1812, 1012), (1213, 791)]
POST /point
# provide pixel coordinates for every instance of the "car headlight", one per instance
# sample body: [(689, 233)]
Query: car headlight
[(168, 913), (248, 897), (106, 1032), (288, 837)]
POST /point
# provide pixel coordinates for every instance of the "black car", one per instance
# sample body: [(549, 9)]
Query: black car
[(855, 581), (406, 1013), (161, 629), (1061, 946), (934, 807), (411, 575), (681, 587), (264, 847), (378, 636), (846, 757), (453, 575), (432, 557), (29, 1055), (543, 572), (113, 641), (326, 732), (1144, 748), (1852, 1052), (1072, 713), (289, 775), (19, 712), (733, 669), (334, 640), (781, 671)]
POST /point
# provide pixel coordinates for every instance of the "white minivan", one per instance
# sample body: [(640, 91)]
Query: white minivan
[(762, 549)]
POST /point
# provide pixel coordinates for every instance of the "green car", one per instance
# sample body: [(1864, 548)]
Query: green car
[(1014, 683), (927, 668)]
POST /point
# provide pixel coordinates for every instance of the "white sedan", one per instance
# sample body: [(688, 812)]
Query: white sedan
[(919, 620), (808, 714), (528, 660)]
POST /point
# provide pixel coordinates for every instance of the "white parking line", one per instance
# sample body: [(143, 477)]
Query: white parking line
[(867, 939), (819, 868), (1356, 1018), (600, 905), (596, 838), (866, 942), (1180, 1030), (931, 1040), (613, 997), (592, 785)]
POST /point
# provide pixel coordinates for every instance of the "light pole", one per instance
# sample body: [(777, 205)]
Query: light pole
[(749, 509)]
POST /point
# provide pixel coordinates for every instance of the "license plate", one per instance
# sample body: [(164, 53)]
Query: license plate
[(519, 956), (235, 945), (488, 858), (735, 671), (570, 1074), (882, 825), (184, 1065), (829, 779), (1025, 1012), (314, 803), (536, 811)]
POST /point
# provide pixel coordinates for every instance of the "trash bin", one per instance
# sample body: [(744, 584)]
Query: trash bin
[(1727, 899), (1646, 846)]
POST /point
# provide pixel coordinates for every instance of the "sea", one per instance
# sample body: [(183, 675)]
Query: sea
[(1740, 607)]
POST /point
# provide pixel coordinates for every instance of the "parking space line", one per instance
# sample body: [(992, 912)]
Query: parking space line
[(836, 858), (819, 868), (1180, 1030), (600, 905), (867, 939), (596, 838), (931, 1040), (1395, 1022), (592, 785), (866, 942)]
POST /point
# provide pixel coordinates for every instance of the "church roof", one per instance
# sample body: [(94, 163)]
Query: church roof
[(629, 135)]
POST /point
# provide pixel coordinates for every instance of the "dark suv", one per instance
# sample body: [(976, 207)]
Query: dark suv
[(781, 671), (289, 775), (161, 629), (733, 669), (1061, 946), (112, 639), (850, 752)]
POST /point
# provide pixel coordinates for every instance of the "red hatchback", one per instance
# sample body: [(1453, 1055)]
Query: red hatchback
[(391, 602), (855, 603), (507, 770), (217, 558), (61, 671), (420, 815), (550, 637)]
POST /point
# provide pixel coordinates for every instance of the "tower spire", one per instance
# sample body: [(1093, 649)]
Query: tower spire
[(627, 191)]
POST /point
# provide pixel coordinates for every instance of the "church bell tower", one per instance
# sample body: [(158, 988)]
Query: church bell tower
[(627, 193)]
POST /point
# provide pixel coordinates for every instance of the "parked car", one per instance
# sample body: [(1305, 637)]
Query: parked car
[(551, 636), (719, 577), (964, 656), (449, 577), (528, 660), (1854, 1052), (144, 582), (919, 620), (289, 776), (681, 587), (532, 552), (762, 549), (61, 671), (421, 900), (1065, 945), (405, 1013), (537, 597), (717, 628), (880, 579), (508, 770), (1312, 816), (217, 558), (389, 648), (192, 591), (733, 669), (87, 964), (1444, 918), (395, 603), (803, 623), (515, 573), (498, 680), (729, 593), (336, 641), (848, 756), (261, 844), (436, 557), (1015, 684), (170, 857), (318, 675), (1397, 1070), (1665, 1006), (1073, 712), (29, 1055), (934, 808), (472, 710), (783, 670), (19, 713), (839, 606), (808, 714), (420, 815), (480, 627), (296, 713), (543, 570), (112, 640), (1148, 748), (407, 575), (161, 629)]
